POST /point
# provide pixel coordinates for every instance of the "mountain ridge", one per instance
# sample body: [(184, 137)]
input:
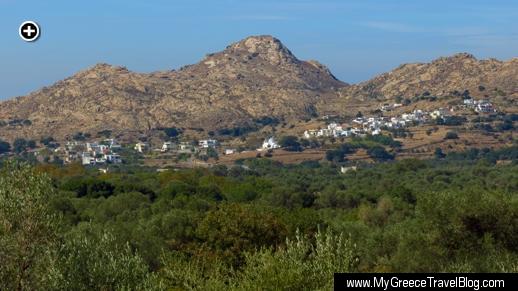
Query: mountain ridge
[(252, 78), (442, 76)]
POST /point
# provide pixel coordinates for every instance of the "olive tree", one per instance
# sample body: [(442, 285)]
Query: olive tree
[(93, 259), (28, 227)]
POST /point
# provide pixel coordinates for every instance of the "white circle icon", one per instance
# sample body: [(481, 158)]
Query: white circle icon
[(29, 31)]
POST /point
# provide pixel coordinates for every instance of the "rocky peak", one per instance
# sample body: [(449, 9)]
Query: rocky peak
[(463, 56), (102, 70), (102, 66), (456, 58), (262, 61), (264, 46)]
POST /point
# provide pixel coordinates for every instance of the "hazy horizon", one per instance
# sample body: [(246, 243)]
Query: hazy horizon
[(164, 35)]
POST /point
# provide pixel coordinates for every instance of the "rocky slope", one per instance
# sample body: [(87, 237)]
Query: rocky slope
[(441, 77), (250, 79)]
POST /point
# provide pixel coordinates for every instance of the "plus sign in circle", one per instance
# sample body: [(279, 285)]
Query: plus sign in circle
[(29, 31)]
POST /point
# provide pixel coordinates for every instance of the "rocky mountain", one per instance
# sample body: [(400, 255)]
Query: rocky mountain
[(441, 77), (250, 79)]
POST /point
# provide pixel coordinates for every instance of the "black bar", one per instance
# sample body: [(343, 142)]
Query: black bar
[(441, 281)]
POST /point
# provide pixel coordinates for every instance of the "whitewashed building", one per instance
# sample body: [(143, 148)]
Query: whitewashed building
[(439, 113), (270, 143), (344, 169), (207, 143), (230, 151), (113, 158), (310, 133), (469, 102), (167, 146), (484, 106), (141, 147), (87, 159), (185, 147)]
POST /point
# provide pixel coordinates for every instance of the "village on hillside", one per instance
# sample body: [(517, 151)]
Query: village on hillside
[(190, 152), (362, 125)]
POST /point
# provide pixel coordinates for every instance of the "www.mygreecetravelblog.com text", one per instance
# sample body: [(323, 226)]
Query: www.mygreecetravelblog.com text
[(435, 281)]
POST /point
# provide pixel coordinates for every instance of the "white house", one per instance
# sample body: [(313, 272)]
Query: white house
[(96, 148), (167, 146), (207, 143), (345, 133), (469, 102), (229, 151), (418, 115), (324, 132), (335, 129), (438, 113), (87, 159), (484, 106), (388, 107), (407, 116), (344, 170), (185, 147), (310, 133), (92, 146), (113, 158), (141, 147), (270, 143)]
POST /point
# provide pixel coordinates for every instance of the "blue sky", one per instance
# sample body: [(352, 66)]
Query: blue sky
[(356, 39)]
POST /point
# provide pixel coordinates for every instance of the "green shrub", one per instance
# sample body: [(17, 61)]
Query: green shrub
[(451, 135)]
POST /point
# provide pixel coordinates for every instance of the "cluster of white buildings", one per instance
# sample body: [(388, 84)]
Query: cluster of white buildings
[(480, 106), (374, 125), (269, 144), (333, 129), (101, 153), (90, 153), (389, 107), (181, 147)]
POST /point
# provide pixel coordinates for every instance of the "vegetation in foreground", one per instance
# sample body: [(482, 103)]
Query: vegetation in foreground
[(259, 224)]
